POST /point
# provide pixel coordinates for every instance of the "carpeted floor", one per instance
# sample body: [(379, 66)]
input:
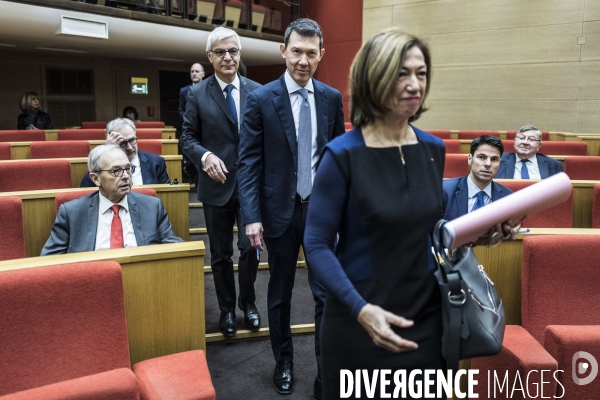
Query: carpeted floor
[(243, 369)]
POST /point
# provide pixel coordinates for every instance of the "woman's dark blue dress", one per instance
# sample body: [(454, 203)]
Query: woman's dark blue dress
[(383, 211)]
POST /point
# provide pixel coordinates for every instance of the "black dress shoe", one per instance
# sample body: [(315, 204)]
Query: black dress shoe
[(317, 389), (227, 323), (283, 378), (251, 315)]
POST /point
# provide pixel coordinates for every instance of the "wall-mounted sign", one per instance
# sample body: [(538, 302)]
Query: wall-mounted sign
[(139, 85)]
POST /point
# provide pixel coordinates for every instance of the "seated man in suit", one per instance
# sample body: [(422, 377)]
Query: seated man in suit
[(526, 162), (149, 168), (113, 217), (463, 195)]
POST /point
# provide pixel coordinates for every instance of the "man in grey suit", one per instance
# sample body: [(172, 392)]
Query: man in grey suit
[(210, 140), (112, 217), (526, 162)]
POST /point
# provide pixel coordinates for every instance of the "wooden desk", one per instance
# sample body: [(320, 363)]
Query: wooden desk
[(39, 215), (164, 294), (168, 132), (503, 266), (22, 151)]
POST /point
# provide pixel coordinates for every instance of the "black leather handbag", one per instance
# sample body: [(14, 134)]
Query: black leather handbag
[(472, 312)]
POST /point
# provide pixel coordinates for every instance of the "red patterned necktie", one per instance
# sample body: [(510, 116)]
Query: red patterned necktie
[(116, 229)]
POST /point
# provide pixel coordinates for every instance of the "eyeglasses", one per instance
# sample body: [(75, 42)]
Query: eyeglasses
[(131, 142), (530, 139), (221, 52), (118, 172)]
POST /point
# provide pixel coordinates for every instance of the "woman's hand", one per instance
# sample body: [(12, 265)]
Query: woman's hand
[(507, 230), (377, 321)]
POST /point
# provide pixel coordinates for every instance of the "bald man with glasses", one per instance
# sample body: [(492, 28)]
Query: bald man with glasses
[(526, 162), (149, 168), (112, 217)]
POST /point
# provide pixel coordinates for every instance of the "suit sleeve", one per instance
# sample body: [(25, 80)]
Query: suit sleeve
[(58, 242), (182, 101), (165, 230), (86, 181), (340, 127), (249, 162), (163, 177), (191, 137)]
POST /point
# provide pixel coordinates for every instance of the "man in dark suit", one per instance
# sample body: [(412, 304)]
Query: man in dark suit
[(468, 193), (112, 217), (150, 168), (196, 74), (286, 126), (210, 139), (526, 162)]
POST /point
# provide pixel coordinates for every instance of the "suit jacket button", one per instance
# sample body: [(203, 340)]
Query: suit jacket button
[(235, 164), (292, 197)]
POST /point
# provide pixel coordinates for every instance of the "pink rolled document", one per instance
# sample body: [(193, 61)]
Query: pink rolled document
[(527, 201)]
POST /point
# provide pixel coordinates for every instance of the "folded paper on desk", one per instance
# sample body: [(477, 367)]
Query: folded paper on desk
[(532, 199)]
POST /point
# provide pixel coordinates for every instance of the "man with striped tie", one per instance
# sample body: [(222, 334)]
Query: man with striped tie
[(210, 140), (468, 193)]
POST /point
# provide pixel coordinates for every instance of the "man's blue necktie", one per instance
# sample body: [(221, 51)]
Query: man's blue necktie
[(304, 184), (524, 171), (479, 203), (231, 103)]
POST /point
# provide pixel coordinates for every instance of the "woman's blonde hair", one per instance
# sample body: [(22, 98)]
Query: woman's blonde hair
[(26, 100), (375, 70)]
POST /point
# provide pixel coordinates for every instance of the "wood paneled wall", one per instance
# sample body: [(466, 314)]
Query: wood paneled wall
[(501, 65)]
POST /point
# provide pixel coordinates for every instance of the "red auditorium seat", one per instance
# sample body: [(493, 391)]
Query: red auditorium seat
[(452, 146), (558, 216), (560, 310), (583, 167), (23, 136), (151, 146), (554, 148), (149, 134), (510, 135), (348, 125), (12, 245), (94, 125), (82, 134), (456, 165), (18, 175), (62, 149), (5, 151), (596, 207), (151, 124), (68, 196), (475, 134), (68, 339), (442, 134)]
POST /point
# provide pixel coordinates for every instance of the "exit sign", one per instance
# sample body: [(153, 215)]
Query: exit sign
[(139, 85)]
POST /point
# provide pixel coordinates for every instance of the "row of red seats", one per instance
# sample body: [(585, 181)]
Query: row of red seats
[(69, 134), (586, 168), (71, 148), (560, 319), (472, 134), (138, 124), (558, 148)]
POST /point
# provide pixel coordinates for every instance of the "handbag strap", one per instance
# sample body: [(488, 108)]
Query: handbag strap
[(456, 297)]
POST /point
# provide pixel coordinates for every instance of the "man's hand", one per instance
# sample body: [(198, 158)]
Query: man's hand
[(377, 321), (215, 168), (114, 138), (254, 231)]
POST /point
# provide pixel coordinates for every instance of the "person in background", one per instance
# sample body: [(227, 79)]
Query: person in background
[(468, 193), (379, 190), (112, 217), (526, 162), (131, 113), (196, 75), (286, 126), (149, 168), (210, 139), (32, 117)]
